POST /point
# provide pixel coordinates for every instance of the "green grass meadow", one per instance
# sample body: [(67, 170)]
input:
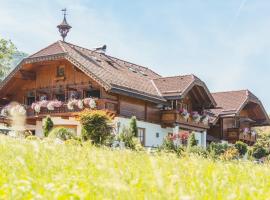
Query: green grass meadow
[(45, 170)]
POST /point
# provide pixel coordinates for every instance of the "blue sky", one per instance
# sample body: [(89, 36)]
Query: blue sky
[(226, 43)]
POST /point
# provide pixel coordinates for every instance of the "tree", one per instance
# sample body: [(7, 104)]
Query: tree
[(133, 126), (96, 125), (192, 140), (48, 125), (7, 50)]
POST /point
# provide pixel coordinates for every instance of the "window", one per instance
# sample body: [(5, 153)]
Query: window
[(30, 100), (92, 93), (60, 71), (141, 135), (157, 135)]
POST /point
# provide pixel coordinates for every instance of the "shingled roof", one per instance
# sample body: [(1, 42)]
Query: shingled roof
[(113, 74), (232, 102), (117, 75)]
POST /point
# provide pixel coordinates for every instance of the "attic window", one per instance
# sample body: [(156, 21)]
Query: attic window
[(60, 72), (133, 70)]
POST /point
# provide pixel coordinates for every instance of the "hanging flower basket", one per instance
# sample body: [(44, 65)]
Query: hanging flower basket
[(196, 116), (185, 114), (90, 102), (71, 104), (205, 119)]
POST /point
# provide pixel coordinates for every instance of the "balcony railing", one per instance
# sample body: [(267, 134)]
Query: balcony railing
[(101, 104), (174, 116), (235, 134)]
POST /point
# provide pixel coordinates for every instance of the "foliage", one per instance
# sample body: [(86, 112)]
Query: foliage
[(96, 125), (61, 133), (7, 50), (230, 154), (48, 125), (259, 152), (200, 151), (191, 141), (216, 149), (133, 126), (126, 136), (169, 146), (241, 147), (49, 171)]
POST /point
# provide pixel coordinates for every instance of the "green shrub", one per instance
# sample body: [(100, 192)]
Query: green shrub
[(169, 146), (216, 149), (126, 136), (259, 152), (133, 126), (191, 141), (198, 151), (96, 125), (241, 147), (62, 133), (48, 125)]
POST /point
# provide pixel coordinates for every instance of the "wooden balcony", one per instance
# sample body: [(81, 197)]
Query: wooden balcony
[(102, 104), (170, 117), (234, 134)]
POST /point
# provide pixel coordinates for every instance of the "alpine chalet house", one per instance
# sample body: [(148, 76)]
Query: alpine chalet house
[(62, 79), (235, 115)]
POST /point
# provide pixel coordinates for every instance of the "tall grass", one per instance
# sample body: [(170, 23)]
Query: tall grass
[(42, 170)]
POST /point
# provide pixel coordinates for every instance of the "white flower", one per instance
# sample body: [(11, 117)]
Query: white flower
[(4, 112), (92, 104), (80, 104), (37, 108), (50, 106), (21, 110), (71, 104)]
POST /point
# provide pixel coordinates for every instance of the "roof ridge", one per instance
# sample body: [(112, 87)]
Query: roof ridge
[(174, 76), (44, 49), (243, 90), (112, 57)]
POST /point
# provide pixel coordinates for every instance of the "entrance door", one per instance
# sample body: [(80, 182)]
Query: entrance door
[(141, 135)]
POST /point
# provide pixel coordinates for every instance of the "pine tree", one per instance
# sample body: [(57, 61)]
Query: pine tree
[(192, 140), (48, 125), (133, 126)]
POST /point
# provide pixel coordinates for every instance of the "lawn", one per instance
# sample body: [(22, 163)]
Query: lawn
[(46, 170)]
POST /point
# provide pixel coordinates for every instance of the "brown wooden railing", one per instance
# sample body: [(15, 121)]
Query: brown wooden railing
[(102, 104), (235, 134), (173, 116)]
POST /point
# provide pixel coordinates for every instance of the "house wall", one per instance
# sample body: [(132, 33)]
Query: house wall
[(70, 123), (151, 130)]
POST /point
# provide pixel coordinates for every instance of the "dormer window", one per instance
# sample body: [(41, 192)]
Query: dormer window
[(60, 71)]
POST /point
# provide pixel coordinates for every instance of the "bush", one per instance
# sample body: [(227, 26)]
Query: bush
[(216, 149), (198, 151), (96, 125), (169, 146), (191, 141), (259, 152), (230, 154), (126, 136), (133, 126), (61, 133), (48, 125), (241, 147)]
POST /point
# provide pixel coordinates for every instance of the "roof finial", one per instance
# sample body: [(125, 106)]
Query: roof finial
[(64, 26)]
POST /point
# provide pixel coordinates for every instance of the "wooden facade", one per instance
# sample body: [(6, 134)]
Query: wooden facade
[(63, 71)]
